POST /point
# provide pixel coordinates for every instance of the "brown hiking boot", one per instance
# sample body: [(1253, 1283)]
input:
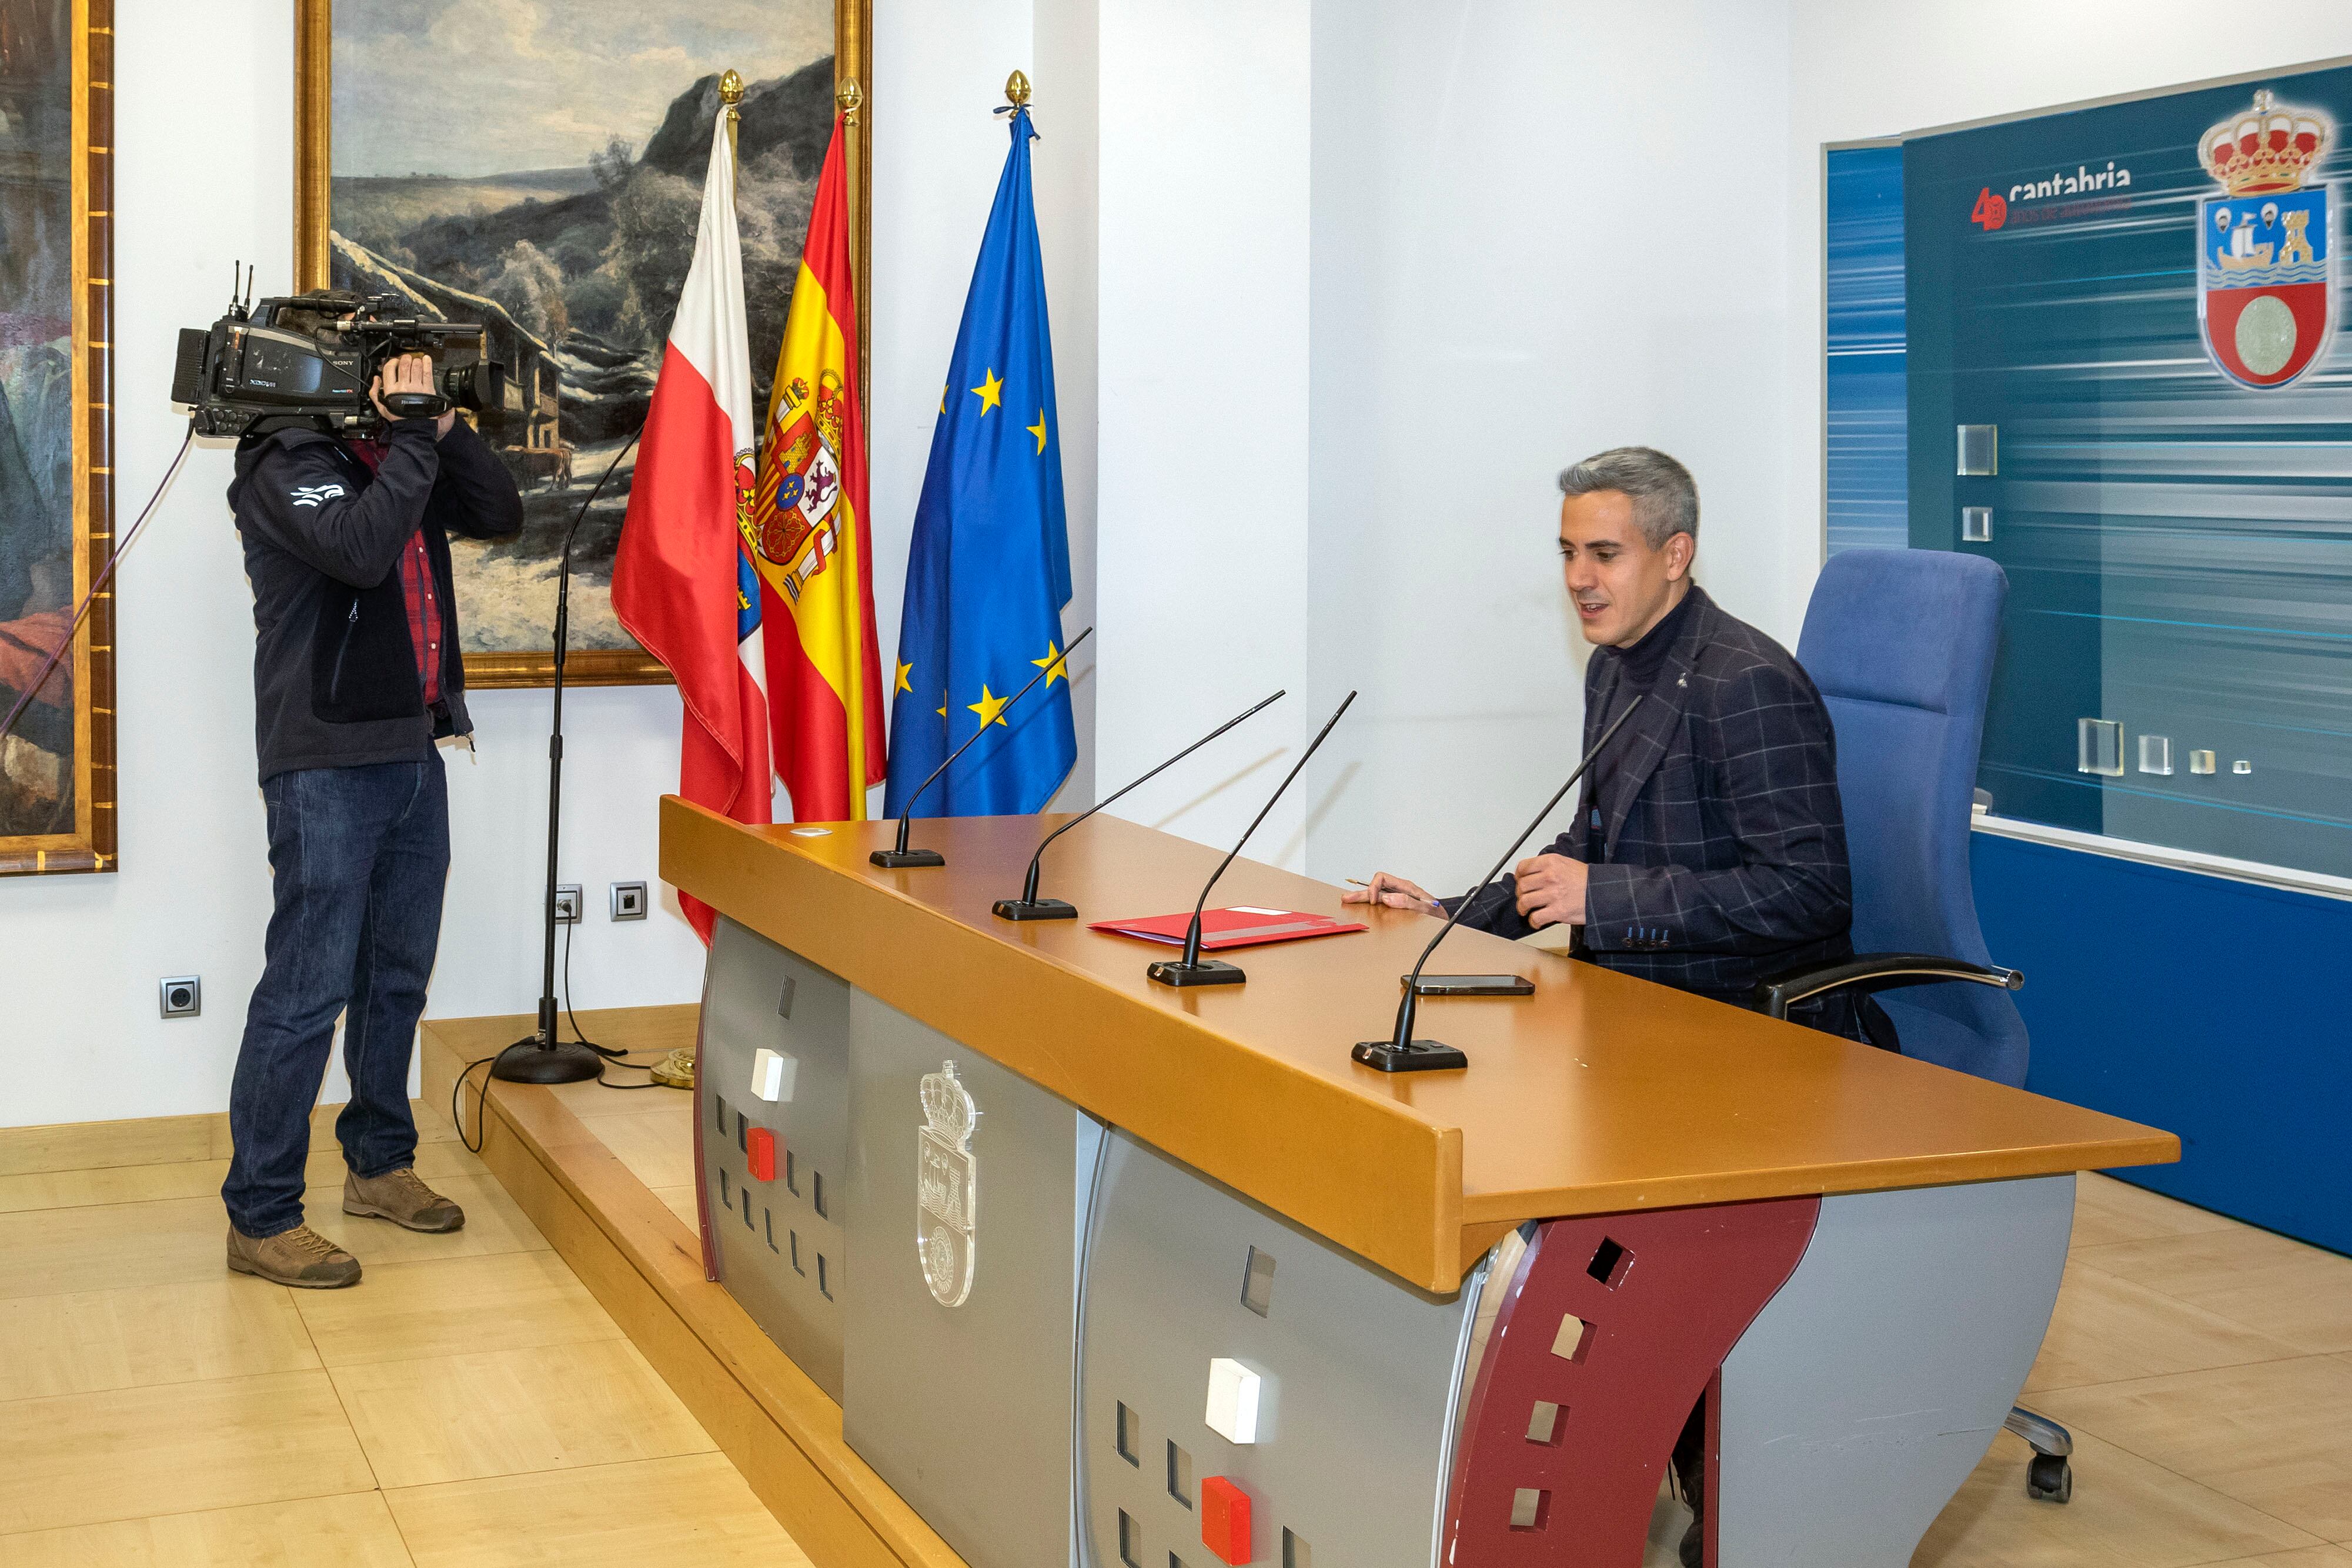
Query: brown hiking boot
[(301, 1257), (402, 1197)]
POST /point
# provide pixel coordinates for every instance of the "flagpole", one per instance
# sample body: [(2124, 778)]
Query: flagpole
[(730, 95)]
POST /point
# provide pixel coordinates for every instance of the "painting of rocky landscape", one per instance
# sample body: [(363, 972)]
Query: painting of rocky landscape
[(537, 167)]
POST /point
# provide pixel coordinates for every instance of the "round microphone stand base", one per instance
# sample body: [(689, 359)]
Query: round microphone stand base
[(1036, 909), (898, 860), (534, 1060), (1207, 972), (1413, 1056)]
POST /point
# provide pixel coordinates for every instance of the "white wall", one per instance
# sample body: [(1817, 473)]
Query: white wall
[(1538, 231), (1202, 447)]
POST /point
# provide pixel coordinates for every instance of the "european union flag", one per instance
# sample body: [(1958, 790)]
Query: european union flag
[(989, 569)]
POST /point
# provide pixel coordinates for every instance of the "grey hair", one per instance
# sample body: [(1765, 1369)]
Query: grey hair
[(1665, 495)]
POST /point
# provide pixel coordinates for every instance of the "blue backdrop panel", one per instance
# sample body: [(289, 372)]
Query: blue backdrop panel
[(2215, 1010), (2179, 545), (1867, 498)]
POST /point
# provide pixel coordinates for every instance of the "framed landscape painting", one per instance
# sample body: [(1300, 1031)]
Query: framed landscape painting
[(536, 166), (57, 424)]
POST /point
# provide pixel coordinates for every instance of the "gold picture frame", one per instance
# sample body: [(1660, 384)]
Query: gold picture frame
[(313, 211), (81, 786)]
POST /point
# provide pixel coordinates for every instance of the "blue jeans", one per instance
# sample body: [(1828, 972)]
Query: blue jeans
[(361, 857)]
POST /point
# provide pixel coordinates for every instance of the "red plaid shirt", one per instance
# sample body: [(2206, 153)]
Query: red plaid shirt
[(416, 590)]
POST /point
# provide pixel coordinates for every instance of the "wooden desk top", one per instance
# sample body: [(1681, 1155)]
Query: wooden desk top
[(1599, 1093)]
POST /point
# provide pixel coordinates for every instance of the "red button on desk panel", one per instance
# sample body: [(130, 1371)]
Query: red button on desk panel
[(1226, 1519), (762, 1146)]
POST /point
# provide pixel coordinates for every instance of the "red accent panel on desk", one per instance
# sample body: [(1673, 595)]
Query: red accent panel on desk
[(1225, 1520), (1662, 1297)]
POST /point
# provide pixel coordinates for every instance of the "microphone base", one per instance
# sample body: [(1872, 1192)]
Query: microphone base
[(529, 1061), (1036, 909), (1413, 1056), (1207, 972), (898, 860)]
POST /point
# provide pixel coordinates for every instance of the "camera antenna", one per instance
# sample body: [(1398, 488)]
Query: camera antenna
[(247, 305)]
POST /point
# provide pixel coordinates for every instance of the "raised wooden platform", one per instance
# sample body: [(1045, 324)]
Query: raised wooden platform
[(644, 1265)]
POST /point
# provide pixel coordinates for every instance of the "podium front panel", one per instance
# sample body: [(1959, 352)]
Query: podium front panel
[(1358, 1378), (966, 1188), (779, 1236)]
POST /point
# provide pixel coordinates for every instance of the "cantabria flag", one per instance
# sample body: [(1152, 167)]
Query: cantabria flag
[(682, 580)]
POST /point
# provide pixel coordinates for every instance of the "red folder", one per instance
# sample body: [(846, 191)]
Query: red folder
[(1244, 927)]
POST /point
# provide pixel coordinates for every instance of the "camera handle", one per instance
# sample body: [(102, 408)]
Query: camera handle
[(540, 1057)]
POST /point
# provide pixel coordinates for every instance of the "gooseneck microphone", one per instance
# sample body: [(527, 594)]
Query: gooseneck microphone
[(1403, 1054), (1029, 906), (1192, 969), (902, 856)]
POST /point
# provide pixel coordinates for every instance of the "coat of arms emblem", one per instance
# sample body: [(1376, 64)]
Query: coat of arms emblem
[(2266, 265), (946, 1202), (800, 483)]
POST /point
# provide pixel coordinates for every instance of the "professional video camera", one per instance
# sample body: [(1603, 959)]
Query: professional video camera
[(310, 359)]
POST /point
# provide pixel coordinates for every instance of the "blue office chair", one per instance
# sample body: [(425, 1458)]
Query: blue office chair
[(1901, 644)]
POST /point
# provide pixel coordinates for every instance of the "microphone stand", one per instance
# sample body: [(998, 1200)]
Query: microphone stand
[(1403, 1054), (901, 857), (1192, 969), (1029, 906), (540, 1057)]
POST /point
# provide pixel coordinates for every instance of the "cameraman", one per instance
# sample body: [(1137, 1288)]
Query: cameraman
[(356, 674)]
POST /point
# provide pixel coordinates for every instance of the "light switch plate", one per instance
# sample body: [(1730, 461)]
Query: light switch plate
[(1232, 1400), (772, 1074)]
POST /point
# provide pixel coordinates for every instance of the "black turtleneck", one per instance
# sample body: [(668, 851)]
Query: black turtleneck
[(1645, 658), (1641, 664)]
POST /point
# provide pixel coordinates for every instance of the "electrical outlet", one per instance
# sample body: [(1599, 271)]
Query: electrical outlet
[(567, 904), (628, 901), (182, 996)]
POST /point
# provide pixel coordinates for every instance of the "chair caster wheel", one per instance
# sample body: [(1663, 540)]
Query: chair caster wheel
[(2049, 1478)]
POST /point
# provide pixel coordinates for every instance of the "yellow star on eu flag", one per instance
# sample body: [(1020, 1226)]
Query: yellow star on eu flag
[(904, 669), (990, 391), (1038, 430), (988, 708), (1056, 664)]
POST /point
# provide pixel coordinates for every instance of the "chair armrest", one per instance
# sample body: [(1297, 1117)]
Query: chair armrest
[(1869, 972)]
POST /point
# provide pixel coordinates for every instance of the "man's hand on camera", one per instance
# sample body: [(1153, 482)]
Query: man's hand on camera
[(409, 373)]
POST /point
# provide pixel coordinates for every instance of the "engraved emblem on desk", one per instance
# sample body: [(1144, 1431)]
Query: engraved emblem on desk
[(946, 1180)]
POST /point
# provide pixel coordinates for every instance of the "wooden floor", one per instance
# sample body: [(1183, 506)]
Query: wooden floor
[(470, 1403), (466, 1404)]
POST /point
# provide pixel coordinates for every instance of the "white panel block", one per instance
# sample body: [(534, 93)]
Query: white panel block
[(1232, 1400), (772, 1072)]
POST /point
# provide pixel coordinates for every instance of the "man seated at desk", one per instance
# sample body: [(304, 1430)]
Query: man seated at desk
[(1708, 847)]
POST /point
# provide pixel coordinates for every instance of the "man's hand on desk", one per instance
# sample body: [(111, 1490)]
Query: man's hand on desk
[(1551, 890), (1395, 892)]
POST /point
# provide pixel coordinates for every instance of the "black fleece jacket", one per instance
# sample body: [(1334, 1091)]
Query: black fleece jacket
[(334, 673)]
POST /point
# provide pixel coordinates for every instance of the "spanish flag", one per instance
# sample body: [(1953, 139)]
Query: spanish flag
[(808, 539)]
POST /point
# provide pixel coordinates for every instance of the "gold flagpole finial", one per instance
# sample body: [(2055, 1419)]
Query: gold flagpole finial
[(849, 98), (730, 94), (1016, 90)]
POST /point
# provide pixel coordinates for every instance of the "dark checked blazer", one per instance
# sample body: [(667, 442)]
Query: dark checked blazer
[(1718, 845)]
